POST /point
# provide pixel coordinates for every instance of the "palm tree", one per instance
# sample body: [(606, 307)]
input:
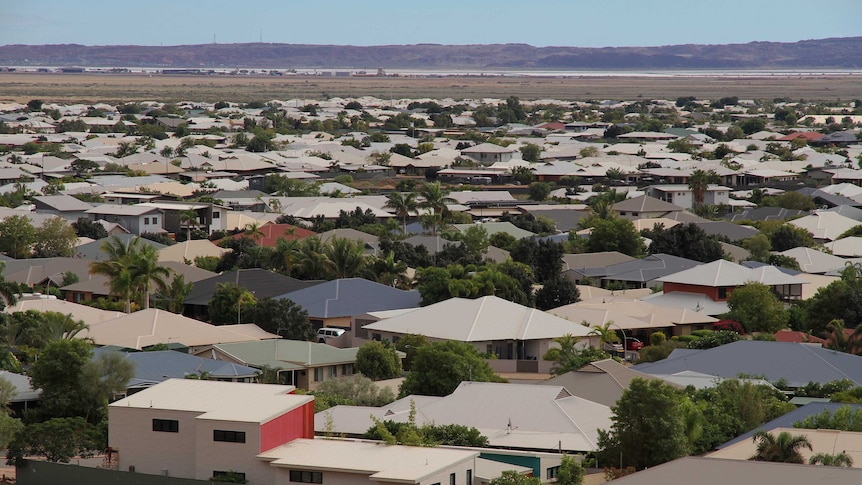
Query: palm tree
[(388, 271), (313, 262), (839, 459), (403, 204), (56, 326), (252, 230), (188, 218), (699, 182), (565, 356), (115, 267), (347, 256), (172, 296), (285, 255), (784, 448), (146, 272), (605, 333), (435, 198)]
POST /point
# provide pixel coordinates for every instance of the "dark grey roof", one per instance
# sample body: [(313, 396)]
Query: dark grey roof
[(828, 199), (643, 270), (839, 137), (787, 420), (564, 219), (351, 296), (797, 363), (766, 214), (431, 243), (93, 250), (157, 366), (716, 471), (594, 260), (733, 232), (261, 282)]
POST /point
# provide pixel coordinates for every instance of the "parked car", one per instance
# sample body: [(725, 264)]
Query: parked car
[(329, 333), (634, 344), (613, 347)]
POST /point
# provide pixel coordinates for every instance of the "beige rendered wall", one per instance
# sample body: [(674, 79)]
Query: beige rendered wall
[(460, 471), (282, 477), (131, 433), (223, 456)]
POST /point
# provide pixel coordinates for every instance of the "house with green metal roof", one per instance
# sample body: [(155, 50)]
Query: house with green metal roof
[(302, 364)]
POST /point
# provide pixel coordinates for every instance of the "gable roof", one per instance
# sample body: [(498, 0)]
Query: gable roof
[(825, 225), (813, 261), (273, 232), (725, 273), (602, 381), (189, 250), (799, 364), (93, 250), (734, 232), (351, 296), (644, 269), (495, 227), (157, 366), (261, 282), (483, 319)]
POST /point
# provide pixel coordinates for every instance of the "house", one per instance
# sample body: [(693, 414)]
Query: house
[(23, 396), (210, 217), (92, 251), (512, 416), (814, 261), (333, 303), (645, 207), (138, 219), (488, 153), (822, 441), (88, 314), (190, 250), (95, 286), (718, 279), (260, 282), (302, 364), (825, 226), (201, 429), (712, 471), (602, 381), (150, 327), (65, 206), (494, 227), (153, 367), (638, 273), (683, 196), (733, 232), (516, 334), (644, 317), (271, 233), (798, 364)]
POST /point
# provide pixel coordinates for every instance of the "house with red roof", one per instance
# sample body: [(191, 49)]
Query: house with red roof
[(807, 135)]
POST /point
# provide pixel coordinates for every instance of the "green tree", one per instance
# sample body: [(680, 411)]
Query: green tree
[(313, 261), (757, 308), (228, 303), (699, 182), (475, 240), (614, 234), (686, 241), (531, 152), (358, 390), (282, 317), (146, 272), (758, 247), (567, 357), (86, 228), (788, 237), (648, 426), (57, 440), (347, 256), (403, 204), (188, 218), (435, 197), (115, 267), (784, 448), (571, 471), (378, 360), (839, 300), (557, 292), (17, 237), (440, 367), (410, 345), (838, 460), (510, 477), (55, 238), (171, 296), (539, 191)]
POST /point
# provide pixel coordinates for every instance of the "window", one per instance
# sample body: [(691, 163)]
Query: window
[(722, 293), (155, 220), (166, 425), (346, 369), (216, 215), (238, 477), (229, 436), (318, 374), (469, 477), (333, 371), (306, 477), (451, 479), (552, 472)]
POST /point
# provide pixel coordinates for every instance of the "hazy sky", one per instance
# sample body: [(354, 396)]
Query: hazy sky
[(587, 23)]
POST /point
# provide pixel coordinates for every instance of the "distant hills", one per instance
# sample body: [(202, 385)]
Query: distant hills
[(835, 53)]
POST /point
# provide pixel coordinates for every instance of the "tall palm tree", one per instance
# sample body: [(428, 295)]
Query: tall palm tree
[(313, 262), (188, 218), (784, 448), (285, 255), (171, 296), (403, 204), (115, 267), (252, 230), (699, 182), (839, 459), (347, 256), (435, 198), (605, 333), (146, 272)]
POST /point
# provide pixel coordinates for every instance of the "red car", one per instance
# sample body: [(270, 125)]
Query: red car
[(634, 344)]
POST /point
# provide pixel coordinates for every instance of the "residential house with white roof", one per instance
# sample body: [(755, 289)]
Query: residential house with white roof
[(138, 219), (718, 279), (683, 196)]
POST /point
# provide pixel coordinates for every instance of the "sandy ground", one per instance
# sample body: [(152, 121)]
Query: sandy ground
[(22, 87)]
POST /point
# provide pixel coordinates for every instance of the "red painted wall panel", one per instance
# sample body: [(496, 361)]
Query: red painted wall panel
[(297, 423)]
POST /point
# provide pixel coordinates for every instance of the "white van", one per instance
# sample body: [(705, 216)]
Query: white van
[(329, 333)]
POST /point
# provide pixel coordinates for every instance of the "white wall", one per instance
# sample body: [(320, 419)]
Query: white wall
[(131, 434)]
